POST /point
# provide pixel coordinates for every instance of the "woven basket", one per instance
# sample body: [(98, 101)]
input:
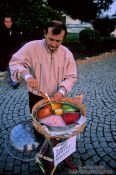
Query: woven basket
[(41, 129)]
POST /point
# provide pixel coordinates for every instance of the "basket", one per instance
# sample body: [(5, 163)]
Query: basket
[(39, 127)]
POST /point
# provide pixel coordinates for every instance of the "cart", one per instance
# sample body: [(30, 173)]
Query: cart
[(55, 140)]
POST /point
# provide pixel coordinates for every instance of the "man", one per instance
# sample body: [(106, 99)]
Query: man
[(10, 40), (46, 65)]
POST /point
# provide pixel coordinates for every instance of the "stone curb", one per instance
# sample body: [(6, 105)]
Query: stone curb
[(97, 58)]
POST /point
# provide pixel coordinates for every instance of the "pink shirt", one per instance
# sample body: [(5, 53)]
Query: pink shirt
[(53, 70)]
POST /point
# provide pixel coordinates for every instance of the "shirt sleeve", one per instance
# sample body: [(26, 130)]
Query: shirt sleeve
[(70, 75), (20, 64), (62, 90)]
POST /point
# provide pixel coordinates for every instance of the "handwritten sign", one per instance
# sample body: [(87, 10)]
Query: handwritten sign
[(64, 149)]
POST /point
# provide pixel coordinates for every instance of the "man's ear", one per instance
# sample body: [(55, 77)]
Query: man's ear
[(44, 33)]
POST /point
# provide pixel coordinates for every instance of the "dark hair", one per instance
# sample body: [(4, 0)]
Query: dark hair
[(8, 16), (57, 26)]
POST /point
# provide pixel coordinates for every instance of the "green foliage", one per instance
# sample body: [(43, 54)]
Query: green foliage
[(29, 15), (88, 35), (77, 9), (104, 4), (72, 37), (84, 10), (105, 26)]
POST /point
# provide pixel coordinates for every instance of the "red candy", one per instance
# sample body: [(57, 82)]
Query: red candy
[(44, 112), (70, 118)]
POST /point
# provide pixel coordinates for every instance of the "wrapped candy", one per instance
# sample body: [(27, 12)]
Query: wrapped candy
[(54, 120), (70, 118), (44, 112)]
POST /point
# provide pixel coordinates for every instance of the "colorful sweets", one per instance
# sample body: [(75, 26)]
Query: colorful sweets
[(69, 113)]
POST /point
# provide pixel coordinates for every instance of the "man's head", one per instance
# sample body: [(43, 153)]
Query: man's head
[(54, 33), (8, 22)]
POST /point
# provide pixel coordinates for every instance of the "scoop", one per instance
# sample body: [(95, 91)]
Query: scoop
[(45, 95), (56, 111), (48, 98)]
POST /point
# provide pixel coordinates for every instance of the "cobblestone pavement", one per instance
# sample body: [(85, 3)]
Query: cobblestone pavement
[(96, 148)]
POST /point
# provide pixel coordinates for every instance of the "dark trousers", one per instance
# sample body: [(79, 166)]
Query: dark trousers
[(33, 99), (4, 59)]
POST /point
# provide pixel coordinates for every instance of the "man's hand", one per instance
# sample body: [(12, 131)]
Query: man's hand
[(57, 97), (33, 83)]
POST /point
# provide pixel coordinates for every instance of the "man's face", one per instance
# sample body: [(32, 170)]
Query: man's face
[(8, 22), (53, 41)]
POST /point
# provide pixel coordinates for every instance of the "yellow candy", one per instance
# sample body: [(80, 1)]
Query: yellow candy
[(56, 105), (58, 111)]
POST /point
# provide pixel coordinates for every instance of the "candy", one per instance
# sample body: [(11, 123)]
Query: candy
[(70, 118)]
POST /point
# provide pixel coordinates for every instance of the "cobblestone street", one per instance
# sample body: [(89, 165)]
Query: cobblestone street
[(96, 148)]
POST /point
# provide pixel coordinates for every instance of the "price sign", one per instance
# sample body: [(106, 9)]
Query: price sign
[(64, 149)]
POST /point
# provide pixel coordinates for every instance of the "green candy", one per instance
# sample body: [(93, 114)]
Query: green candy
[(68, 108)]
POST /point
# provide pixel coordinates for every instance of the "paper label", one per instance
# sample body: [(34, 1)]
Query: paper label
[(64, 149)]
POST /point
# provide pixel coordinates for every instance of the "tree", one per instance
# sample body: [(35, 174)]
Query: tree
[(81, 9), (104, 4), (104, 25), (89, 37), (29, 15)]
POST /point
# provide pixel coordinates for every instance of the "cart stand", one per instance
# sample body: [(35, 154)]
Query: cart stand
[(40, 155), (54, 140)]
